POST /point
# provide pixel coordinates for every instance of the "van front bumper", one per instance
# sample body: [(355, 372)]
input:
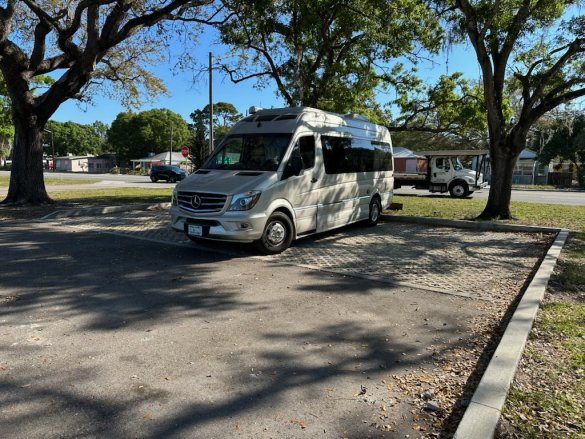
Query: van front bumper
[(230, 226)]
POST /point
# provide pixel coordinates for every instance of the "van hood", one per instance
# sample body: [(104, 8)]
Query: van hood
[(228, 182)]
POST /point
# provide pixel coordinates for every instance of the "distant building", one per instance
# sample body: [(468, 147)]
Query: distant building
[(72, 163), (159, 159), (101, 164)]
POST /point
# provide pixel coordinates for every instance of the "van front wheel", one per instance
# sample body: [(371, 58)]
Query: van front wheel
[(277, 235), (375, 212)]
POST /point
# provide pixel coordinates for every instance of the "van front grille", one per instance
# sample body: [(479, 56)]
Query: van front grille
[(200, 202)]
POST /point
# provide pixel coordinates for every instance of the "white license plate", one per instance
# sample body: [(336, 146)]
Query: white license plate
[(195, 230)]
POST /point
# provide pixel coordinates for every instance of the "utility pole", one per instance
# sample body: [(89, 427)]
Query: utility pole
[(171, 151), (210, 102)]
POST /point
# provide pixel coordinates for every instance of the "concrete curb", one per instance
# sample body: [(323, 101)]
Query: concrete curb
[(483, 413), (473, 225), (92, 211)]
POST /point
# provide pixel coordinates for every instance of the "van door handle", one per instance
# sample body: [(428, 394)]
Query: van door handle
[(314, 180)]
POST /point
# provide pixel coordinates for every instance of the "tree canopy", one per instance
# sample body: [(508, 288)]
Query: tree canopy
[(88, 44), (225, 116), (77, 139), (135, 135), (325, 53)]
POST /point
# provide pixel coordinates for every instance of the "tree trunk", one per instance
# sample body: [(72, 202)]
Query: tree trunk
[(27, 185), (503, 160)]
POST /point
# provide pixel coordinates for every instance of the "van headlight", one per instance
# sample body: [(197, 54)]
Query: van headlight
[(245, 201)]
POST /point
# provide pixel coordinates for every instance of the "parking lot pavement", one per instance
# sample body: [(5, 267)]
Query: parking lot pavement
[(484, 265), (105, 335)]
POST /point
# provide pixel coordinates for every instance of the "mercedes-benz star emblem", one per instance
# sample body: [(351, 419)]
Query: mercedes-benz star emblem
[(196, 201)]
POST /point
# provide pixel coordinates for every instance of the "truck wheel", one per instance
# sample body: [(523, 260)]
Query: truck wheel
[(375, 212), (153, 179), (277, 236), (459, 189)]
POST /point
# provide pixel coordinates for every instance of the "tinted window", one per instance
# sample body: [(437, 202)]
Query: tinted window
[(307, 148), (346, 155)]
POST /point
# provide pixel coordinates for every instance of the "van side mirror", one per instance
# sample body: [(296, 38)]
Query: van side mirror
[(293, 167)]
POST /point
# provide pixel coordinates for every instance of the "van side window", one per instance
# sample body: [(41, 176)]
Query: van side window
[(307, 150), (336, 154), (346, 155)]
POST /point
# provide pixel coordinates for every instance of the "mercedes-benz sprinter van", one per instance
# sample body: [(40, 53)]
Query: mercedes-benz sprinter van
[(281, 174)]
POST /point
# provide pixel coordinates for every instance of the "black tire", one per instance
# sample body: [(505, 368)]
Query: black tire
[(153, 179), (277, 235), (173, 180), (375, 212), (459, 189)]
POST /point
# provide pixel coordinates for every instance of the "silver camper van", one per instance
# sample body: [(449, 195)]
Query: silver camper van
[(282, 174)]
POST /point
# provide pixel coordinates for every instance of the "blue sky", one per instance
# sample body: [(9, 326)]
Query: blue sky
[(186, 96)]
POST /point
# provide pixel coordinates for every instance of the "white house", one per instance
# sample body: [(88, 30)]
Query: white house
[(159, 159)]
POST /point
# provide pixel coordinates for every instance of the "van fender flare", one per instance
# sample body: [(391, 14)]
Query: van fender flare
[(284, 206), (376, 193)]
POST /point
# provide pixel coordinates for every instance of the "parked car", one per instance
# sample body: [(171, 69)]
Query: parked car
[(168, 173)]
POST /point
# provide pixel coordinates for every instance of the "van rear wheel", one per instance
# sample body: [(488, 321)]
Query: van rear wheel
[(375, 212), (277, 235)]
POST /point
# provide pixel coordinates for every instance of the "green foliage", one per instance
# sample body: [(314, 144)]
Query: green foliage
[(135, 135), (325, 53), (567, 143), (6, 126), (452, 105), (225, 115), (74, 138), (425, 141)]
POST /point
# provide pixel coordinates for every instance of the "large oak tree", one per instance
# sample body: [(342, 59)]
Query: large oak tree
[(81, 42), (541, 45)]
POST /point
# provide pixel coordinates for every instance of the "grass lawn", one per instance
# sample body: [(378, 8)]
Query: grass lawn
[(52, 181), (548, 215), (547, 398), (91, 198), (114, 196)]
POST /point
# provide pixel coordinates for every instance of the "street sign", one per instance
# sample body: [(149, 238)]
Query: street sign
[(185, 151)]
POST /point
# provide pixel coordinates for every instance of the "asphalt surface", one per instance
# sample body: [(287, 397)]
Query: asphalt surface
[(570, 198), (108, 329)]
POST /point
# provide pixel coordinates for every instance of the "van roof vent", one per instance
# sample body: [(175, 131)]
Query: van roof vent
[(355, 116)]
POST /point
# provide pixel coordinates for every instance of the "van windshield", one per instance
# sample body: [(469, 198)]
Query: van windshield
[(254, 152)]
